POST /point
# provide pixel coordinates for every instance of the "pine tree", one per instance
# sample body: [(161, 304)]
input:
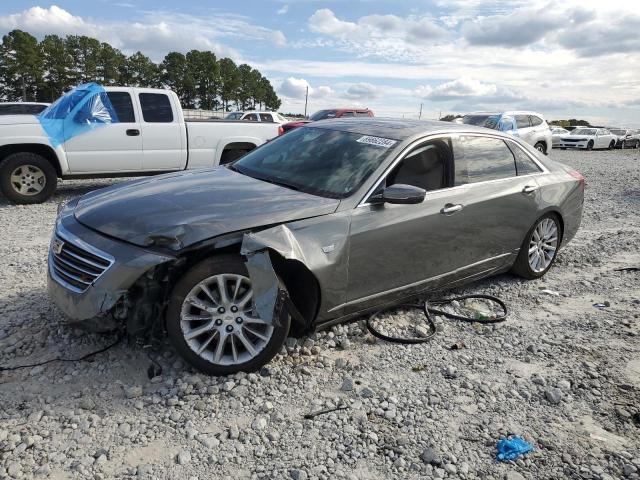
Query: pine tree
[(20, 66)]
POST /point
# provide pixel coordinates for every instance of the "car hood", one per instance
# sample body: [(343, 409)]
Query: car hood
[(18, 119), (180, 209), (578, 137)]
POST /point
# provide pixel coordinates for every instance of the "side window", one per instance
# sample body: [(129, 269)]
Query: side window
[(535, 121), (10, 109), (362, 114), (123, 106), (522, 121), (266, 117), (348, 114), (524, 164), (252, 117), (156, 108), (480, 159), (426, 166)]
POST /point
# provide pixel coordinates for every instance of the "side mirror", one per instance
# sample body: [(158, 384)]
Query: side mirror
[(401, 194)]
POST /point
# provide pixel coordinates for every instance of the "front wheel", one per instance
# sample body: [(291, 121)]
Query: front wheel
[(212, 322), (27, 178), (590, 145), (539, 248), (612, 145)]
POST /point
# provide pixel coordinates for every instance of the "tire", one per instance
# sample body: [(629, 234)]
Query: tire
[(563, 148), (637, 144), (34, 178), (229, 156), (228, 268), (522, 265), (590, 145), (612, 145), (541, 147)]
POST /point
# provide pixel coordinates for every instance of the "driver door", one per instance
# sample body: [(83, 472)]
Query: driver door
[(111, 147)]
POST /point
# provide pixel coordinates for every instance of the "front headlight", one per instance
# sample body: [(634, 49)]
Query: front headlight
[(61, 206)]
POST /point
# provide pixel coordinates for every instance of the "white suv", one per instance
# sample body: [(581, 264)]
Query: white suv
[(254, 116), (529, 126)]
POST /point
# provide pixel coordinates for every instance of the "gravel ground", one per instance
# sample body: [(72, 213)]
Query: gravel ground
[(560, 372)]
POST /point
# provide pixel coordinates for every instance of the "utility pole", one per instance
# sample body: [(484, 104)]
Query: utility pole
[(420, 114), (306, 99), (440, 115)]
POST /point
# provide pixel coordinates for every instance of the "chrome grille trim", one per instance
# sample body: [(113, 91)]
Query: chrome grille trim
[(76, 265)]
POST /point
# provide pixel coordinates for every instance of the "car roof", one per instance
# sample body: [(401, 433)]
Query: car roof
[(24, 103), (394, 128), (508, 112)]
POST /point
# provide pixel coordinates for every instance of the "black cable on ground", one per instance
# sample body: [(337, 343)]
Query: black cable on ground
[(427, 309), (79, 359)]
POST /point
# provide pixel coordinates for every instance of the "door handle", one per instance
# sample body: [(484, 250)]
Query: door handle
[(450, 208), (133, 132), (529, 189)]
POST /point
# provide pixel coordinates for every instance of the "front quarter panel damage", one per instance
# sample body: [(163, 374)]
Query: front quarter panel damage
[(320, 244)]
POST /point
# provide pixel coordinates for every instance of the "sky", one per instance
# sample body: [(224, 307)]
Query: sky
[(564, 59)]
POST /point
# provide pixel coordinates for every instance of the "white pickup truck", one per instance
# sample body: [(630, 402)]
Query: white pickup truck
[(94, 132)]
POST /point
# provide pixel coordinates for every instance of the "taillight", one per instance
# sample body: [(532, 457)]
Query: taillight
[(280, 130), (576, 174)]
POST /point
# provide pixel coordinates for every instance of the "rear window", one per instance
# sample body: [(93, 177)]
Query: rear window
[(322, 115), (123, 106), (535, 121), (524, 164), (10, 109), (156, 108), (480, 159)]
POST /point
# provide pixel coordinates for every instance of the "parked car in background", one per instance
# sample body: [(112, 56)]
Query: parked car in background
[(329, 114), (556, 134), (529, 126), (253, 116), (342, 217), (626, 138), (588, 138), (22, 108), (93, 131)]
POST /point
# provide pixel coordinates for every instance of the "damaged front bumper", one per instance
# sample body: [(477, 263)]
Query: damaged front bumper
[(88, 273)]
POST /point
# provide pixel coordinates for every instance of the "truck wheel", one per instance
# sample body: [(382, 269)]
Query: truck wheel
[(27, 177), (212, 323), (232, 155)]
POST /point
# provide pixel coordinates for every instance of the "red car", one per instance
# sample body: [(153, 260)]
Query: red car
[(329, 113)]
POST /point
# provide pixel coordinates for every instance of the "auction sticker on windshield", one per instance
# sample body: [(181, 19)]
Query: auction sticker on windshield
[(377, 141)]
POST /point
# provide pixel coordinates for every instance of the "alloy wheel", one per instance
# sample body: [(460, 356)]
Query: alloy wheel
[(219, 323), (543, 245), (28, 180)]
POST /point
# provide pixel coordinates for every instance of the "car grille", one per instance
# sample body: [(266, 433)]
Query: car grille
[(573, 139), (75, 266)]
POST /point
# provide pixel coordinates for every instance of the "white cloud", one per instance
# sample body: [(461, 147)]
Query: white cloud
[(296, 88), (362, 91), (155, 34), (283, 10), (467, 88)]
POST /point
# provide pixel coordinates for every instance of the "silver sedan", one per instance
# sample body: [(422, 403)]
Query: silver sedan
[(328, 222)]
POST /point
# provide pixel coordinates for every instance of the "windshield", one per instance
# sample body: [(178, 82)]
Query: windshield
[(584, 131), (234, 116), (619, 132), (65, 104), (318, 161), (483, 120), (323, 115)]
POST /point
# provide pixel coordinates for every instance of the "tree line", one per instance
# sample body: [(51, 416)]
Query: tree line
[(42, 71)]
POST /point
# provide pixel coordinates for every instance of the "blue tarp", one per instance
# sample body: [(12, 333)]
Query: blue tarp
[(80, 110), (512, 448)]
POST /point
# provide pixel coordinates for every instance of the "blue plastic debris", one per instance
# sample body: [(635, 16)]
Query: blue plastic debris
[(512, 448), (80, 110)]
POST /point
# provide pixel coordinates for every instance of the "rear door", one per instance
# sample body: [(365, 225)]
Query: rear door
[(114, 147), (525, 131), (161, 131)]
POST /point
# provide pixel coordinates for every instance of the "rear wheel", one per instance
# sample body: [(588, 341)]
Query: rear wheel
[(541, 147), (637, 143), (539, 248), (212, 322), (27, 178)]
